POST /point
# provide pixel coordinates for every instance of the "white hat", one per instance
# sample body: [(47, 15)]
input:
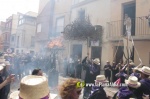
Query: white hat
[(131, 63), (101, 78), (33, 87), (15, 95), (96, 61), (107, 61), (1, 67), (2, 60), (5, 55), (133, 82), (7, 62), (3, 64), (145, 70)]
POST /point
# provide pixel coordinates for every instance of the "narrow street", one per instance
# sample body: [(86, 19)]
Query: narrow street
[(109, 90)]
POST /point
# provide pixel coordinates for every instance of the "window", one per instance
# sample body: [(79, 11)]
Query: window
[(32, 41), (12, 38), (39, 27), (81, 14), (21, 21), (30, 21), (77, 1), (20, 16), (18, 41), (59, 25)]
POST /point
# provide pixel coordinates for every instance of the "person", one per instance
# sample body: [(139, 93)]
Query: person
[(33, 87), (122, 76), (114, 72), (127, 92), (145, 82), (107, 69), (37, 72), (78, 69), (5, 74), (131, 66), (3, 83), (148, 18), (127, 23), (69, 90), (88, 76), (65, 63), (135, 73), (95, 69), (71, 67), (97, 91)]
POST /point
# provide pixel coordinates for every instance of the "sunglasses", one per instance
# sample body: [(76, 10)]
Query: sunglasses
[(79, 92)]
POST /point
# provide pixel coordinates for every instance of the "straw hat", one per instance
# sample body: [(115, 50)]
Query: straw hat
[(101, 78), (96, 61), (15, 95), (145, 70), (133, 82), (33, 87), (107, 61), (131, 63), (135, 68), (7, 62), (2, 60), (5, 55), (3, 64), (1, 67)]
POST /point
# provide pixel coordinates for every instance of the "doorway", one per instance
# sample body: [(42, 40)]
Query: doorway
[(119, 54), (130, 10), (77, 51), (96, 52)]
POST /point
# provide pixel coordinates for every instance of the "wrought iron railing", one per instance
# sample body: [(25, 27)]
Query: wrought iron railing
[(140, 26)]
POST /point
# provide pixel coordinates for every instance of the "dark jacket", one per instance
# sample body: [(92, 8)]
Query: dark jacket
[(145, 87), (98, 93), (125, 93), (107, 71), (2, 91)]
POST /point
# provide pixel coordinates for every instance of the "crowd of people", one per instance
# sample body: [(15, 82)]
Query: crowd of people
[(136, 78)]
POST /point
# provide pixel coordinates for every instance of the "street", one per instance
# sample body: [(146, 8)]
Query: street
[(109, 90)]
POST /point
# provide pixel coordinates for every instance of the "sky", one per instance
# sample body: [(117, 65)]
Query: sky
[(9, 7)]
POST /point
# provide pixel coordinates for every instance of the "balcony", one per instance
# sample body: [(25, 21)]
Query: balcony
[(140, 29)]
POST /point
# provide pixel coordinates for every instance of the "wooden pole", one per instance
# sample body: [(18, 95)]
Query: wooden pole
[(128, 55), (88, 41)]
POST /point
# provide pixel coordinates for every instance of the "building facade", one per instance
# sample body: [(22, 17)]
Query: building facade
[(137, 10), (25, 34), (110, 15), (44, 24), (2, 29), (6, 33)]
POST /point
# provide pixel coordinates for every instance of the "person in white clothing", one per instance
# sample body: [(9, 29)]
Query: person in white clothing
[(127, 23)]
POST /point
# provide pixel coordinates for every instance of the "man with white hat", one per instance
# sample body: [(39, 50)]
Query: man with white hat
[(145, 82), (97, 91), (128, 92), (33, 87)]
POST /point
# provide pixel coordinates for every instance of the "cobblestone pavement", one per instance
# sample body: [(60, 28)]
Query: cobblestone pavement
[(109, 90)]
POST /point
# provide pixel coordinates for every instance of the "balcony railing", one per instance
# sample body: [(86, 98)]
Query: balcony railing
[(140, 27)]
